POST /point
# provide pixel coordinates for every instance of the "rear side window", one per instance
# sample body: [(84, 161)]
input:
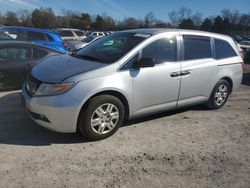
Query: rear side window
[(14, 53), (196, 47), (49, 38), (79, 33), (15, 34), (162, 50), (223, 49), (66, 33), (38, 53), (35, 36)]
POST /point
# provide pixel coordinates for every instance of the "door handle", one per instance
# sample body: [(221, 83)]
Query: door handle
[(175, 74), (185, 73)]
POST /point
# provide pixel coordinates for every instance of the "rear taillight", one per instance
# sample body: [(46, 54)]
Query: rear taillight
[(65, 45)]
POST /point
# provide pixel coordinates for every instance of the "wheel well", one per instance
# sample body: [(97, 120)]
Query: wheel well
[(120, 96), (230, 82)]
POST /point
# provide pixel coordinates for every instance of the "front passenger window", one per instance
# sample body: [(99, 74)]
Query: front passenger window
[(162, 50)]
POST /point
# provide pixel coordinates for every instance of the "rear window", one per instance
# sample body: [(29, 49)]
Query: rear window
[(196, 47), (79, 33), (35, 36), (49, 37), (223, 49), (66, 33)]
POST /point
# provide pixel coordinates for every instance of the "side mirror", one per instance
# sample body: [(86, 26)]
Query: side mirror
[(145, 62)]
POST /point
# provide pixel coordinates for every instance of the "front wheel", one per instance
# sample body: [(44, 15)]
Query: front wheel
[(101, 118), (219, 95)]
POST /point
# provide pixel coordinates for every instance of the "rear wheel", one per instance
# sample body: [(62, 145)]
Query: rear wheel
[(219, 95), (101, 118)]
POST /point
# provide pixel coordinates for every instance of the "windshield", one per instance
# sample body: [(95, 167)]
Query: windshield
[(111, 48)]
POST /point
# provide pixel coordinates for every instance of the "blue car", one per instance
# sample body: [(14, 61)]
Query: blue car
[(40, 36)]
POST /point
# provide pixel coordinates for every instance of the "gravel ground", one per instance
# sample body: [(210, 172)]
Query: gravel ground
[(192, 147)]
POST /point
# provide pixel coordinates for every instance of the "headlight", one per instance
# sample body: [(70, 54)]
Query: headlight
[(53, 89)]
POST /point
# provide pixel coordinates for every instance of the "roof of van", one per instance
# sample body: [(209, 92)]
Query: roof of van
[(154, 31)]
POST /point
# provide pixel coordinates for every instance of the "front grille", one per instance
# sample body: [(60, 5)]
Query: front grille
[(32, 85)]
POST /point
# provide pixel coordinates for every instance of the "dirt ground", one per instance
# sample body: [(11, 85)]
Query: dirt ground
[(192, 147)]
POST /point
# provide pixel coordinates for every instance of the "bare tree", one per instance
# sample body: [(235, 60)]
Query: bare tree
[(197, 19), (150, 19)]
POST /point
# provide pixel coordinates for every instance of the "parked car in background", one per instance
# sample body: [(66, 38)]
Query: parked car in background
[(247, 56), (97, 34), (129, 74), (70, 34), (17, 59), (40, 36), (76, 45), (245, 45)]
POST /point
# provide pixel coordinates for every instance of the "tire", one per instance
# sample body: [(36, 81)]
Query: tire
[(99, 119), (218, 97)]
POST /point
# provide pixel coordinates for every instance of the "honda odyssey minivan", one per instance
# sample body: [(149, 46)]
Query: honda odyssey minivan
[(130, 74)]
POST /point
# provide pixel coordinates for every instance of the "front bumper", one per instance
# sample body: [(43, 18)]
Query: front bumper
[(58, 113)]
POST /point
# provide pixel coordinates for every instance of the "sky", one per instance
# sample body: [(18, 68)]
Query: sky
[(120, 9)]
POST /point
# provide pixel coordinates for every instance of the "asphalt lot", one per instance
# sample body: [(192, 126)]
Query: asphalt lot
[(192, 147)]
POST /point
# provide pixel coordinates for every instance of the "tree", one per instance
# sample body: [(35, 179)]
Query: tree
[(1, 19), (187, 24), (177, 16), (99, 23), (149, 19), (25, 17), (43, 18), (109, 23), (197, 19), (218, 25), (86, 20), (226, 26), (206, 25), (130, 23), (174, 19), (11, 19)]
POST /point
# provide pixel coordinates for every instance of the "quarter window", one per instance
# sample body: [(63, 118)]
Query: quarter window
[(162, 50), (79, 33), (66, 33), (38, 54), (196, 47), (223, 49)]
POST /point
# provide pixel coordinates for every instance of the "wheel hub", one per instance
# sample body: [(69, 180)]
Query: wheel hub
[(104, 118)]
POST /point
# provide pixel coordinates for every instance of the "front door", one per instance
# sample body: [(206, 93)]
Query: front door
[(157, 88), (14, 65)]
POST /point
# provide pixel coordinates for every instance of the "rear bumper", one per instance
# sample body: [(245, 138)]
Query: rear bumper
[(57, 113)]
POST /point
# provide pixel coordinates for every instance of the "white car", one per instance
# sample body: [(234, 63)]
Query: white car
[(245, 44), (70, 34), (97, 34), (131, 74)]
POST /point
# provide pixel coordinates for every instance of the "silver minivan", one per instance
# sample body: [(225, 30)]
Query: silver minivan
[(130, 74)]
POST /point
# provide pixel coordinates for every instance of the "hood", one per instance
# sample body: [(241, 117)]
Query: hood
[(56, 68)]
